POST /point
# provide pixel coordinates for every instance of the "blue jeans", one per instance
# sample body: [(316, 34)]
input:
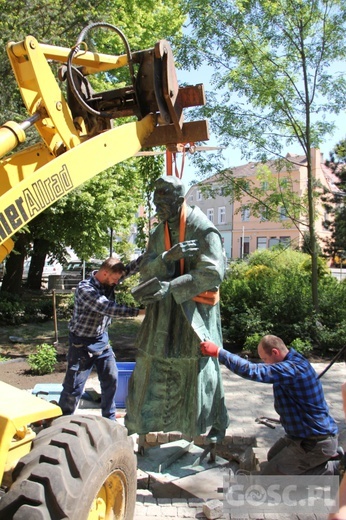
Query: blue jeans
[(82, 355)]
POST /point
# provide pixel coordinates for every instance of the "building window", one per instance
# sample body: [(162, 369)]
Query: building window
[(283, 213), (284, 182), (199, 195), (263, 214), (261, 242), (273, 241), (221, 215), (245, 214), (265, 185), (210, 214), (244, 247), (191, 198), (286, 241)]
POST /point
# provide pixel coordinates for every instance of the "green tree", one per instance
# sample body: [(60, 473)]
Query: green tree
[(272, 67), (335, 203), (83, 218)]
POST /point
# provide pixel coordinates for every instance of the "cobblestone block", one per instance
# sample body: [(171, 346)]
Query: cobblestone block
[(144, 493), (168, 512), (260, 454), (151, 438), (247, 459), (213, 509), (179, 502), (140, 511), (187, 512), (200, 440), (164, 501), (153, 512), (174, 436), (150, 501), (162, 437), (195, 502)]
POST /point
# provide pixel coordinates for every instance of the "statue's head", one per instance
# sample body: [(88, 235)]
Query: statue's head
[(168, 196)]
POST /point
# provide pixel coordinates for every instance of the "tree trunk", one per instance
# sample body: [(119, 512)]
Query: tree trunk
[(38, 258), (312, 232), (12, 281)]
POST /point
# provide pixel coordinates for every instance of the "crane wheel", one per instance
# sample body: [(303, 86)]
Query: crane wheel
[(82, 467)]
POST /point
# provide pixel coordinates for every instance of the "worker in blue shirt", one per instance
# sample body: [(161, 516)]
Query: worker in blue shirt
[(311, 433), (94, 308)]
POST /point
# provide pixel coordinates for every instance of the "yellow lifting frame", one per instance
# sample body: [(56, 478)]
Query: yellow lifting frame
[(41, 92)]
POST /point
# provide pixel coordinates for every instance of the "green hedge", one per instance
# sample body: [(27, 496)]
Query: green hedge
[(270, 293)]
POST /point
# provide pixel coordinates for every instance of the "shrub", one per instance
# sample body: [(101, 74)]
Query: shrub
[(123, 294), (302, 346), (251, 342), (331, 338), (38, 311), (44, 361), (271, 292), (11, 309)]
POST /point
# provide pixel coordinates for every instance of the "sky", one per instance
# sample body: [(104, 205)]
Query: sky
[(233, 156)]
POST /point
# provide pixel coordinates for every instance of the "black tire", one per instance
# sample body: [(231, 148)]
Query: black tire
[(78, 463)]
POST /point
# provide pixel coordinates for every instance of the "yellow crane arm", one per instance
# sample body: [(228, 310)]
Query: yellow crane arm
[(39, 190)]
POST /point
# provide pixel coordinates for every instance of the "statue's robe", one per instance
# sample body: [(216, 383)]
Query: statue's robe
[(173, 387)]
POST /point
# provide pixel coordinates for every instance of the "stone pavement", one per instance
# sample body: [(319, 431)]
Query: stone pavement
[(245, 400)]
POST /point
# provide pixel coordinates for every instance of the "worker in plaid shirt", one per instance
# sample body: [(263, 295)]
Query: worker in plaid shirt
[(94, 308), (311, 433)]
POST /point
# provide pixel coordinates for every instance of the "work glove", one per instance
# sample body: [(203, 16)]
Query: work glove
[(209, 348)]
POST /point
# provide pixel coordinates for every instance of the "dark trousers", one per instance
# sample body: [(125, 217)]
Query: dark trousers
[(302, 456), (80, 362)]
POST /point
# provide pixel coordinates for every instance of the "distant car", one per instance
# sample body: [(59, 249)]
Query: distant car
[(51, 267), (72, 272)]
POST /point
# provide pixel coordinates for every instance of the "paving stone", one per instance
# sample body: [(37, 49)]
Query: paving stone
[(169, 512), (140, 511), (150, 501), (164, 501), (247, 459), (144, 493), (163, 437), (201, 440), (179, 502), (153, 512), (151, 438), (213, 509), (195, 502), (186, 512), (174, 436)]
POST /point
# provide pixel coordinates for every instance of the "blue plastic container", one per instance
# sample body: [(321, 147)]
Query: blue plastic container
[(52, 391), (48, 391), (125, 370)]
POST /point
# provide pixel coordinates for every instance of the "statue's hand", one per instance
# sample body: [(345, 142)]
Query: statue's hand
[(159, 295), (182, 250)]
